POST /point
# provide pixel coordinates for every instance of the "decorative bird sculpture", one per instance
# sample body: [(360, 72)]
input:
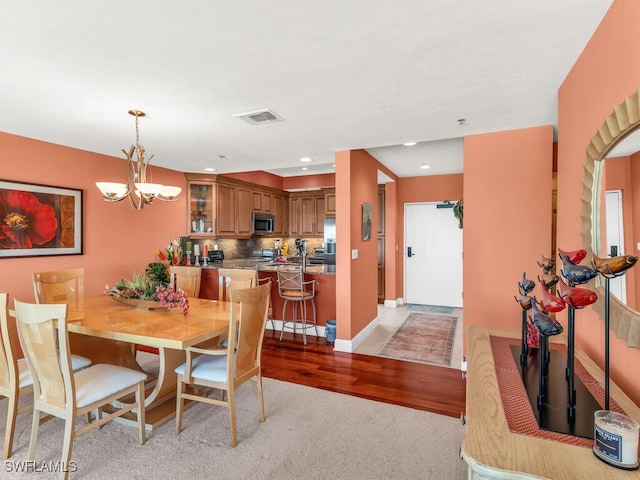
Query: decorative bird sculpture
[(550, 302), (524, 301), (526, 285), (614, 266), (545, 324), (549, 280), (577, 274), (575, 256), (574, 296), (547, 264)]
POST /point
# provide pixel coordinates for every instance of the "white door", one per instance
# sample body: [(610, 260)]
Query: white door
[(615, 237), (433, 255)]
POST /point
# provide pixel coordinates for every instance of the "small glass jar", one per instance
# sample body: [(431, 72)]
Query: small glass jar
[(616, 439)]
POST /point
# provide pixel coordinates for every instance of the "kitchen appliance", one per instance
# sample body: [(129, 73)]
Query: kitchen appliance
[(330, 241), (262, 223), (216, 256)]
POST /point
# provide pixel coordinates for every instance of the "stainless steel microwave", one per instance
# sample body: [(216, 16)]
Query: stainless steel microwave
[(262, 223)]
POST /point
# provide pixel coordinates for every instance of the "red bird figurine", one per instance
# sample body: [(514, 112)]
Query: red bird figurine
[(550, 302), (576, 297), (614, 266), (575, 256)]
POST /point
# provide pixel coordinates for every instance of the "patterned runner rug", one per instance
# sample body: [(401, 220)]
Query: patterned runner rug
[(423, 338), (430, 308)]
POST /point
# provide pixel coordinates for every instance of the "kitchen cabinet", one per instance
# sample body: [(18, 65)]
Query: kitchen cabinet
[(306, 214), (330, 202), (233, 211), (219, 206), (261, 202)]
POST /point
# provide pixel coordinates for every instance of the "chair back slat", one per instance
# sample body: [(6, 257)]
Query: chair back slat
[(290, 279), (248, 317), (46, 350), (187, 278)]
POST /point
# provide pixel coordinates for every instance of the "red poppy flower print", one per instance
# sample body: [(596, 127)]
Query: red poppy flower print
[(24, 221)]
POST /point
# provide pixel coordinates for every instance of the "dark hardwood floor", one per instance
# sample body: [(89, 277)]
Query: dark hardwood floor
[(424, 387)]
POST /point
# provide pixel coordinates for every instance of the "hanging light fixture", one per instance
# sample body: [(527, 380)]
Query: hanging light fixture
[(137, 189)]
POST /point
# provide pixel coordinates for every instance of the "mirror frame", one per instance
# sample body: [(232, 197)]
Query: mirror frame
[(624, 119)]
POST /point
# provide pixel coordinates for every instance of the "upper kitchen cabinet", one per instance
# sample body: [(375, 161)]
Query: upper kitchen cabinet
[(330, 202), (306, 213), (219, 206), (261, 202)]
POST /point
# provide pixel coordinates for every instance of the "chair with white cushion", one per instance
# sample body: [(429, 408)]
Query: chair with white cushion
[(15, 378), (228, 368), (60, 392)]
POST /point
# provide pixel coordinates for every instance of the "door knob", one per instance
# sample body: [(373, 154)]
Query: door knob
[(410, 252)]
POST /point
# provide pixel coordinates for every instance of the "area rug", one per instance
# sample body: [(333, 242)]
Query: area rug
[(429, 308), (423, 338)]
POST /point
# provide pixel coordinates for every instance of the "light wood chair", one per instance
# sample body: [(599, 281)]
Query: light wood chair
[(60, 392), (186, 278), (293, 288), (60, 286), (228, 368), (230, 279), (262, 281), (15, 378)]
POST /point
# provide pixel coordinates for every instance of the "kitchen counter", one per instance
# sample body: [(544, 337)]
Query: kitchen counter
[(263, 266)]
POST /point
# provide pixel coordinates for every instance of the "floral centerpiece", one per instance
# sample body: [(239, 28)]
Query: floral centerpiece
[(152, 286), (174, 253)]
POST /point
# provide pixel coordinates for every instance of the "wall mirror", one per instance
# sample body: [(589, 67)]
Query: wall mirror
[(620, 129)]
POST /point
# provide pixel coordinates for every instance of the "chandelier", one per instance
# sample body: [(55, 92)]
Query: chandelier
[(137, 189)]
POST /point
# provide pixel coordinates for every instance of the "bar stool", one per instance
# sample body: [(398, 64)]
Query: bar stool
[(292, 287)]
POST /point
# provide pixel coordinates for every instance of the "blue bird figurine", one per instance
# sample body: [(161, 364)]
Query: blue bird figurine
[(526, 285), (578, 274), (545, 324)]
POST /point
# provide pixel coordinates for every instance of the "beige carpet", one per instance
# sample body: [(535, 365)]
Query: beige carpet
[(308, 434), (423, 337)]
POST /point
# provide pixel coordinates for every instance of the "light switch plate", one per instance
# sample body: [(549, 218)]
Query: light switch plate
[(354, 254)]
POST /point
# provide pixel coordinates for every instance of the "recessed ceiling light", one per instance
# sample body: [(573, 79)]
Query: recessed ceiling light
[(306, 159), (209, 169), (409, 144), (424, 166), (305, 168)]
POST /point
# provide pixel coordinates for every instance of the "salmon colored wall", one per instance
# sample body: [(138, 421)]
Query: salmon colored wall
[(507, 220), (432, 188), (607, 71), (117, 239), (356, 279), (392, 250), (619, 175), (309, 181), (265, 179)]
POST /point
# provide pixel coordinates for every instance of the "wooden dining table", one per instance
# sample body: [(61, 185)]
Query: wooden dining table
[(107, 331)]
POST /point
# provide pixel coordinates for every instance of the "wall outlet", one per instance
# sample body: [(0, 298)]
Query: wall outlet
[(354, 254)]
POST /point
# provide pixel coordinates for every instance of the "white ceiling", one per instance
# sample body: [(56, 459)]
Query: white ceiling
[(354, 74)]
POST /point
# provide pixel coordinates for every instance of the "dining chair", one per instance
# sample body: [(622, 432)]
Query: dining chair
[(15, 378), (60, 286), (186, 278), (230, 279), (293, 288), (63, 393), (228, 368), (262, 281)]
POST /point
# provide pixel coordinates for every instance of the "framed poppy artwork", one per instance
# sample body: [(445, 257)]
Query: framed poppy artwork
[(39, 220)]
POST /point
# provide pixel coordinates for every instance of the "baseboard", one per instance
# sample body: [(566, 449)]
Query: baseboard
[(350, 345), (394, 303)]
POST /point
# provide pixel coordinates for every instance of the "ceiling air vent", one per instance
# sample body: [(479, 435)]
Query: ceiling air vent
[(260, 117)]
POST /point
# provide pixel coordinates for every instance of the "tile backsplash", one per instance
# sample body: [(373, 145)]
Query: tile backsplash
[(234, 249)]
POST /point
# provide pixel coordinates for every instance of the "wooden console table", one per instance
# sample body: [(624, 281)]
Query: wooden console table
[(493, 452)]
